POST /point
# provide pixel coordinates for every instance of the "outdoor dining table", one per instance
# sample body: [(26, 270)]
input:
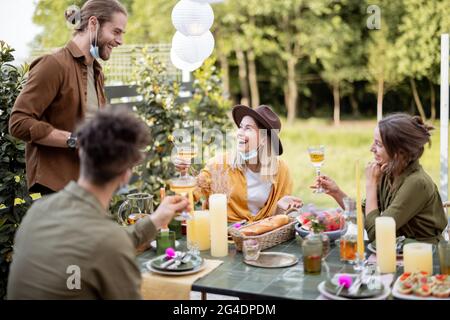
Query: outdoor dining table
[(235, 278)]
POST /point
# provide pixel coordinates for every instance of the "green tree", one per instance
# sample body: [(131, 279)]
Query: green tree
[(49, 15), (296, 20), (339, 47), (382, 61), (14, 197), (208, 102), (163, 114), (418, 46), (150, 22)]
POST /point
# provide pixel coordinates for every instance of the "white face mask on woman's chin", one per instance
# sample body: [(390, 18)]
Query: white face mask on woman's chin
[(246, 156), (252, 154)]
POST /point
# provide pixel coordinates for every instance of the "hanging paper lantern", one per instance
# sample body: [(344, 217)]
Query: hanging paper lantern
[(194, 48), (180, 64), (192, 18)]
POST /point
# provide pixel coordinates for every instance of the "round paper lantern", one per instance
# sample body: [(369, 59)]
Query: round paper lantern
[(194, 48), (180, 64), (192, 18)]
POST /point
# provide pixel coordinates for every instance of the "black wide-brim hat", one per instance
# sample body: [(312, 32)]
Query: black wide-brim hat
[(266, 119)]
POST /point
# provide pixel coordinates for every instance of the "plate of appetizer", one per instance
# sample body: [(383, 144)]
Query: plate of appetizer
[(422, 286)]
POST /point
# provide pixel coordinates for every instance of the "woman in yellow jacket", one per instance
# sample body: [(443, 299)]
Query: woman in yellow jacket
[(258, 181)]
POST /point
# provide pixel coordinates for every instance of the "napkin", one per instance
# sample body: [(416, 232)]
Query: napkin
[(162, 287)]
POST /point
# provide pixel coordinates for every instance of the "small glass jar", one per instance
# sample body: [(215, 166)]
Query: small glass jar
[(312, 247), (165, 239), (176, 226), (348, 241), (325, 245)]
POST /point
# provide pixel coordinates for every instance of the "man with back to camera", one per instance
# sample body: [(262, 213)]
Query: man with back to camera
[(63, 89), (66, 246)]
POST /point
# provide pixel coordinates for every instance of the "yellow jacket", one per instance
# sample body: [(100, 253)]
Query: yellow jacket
[(237, 201)]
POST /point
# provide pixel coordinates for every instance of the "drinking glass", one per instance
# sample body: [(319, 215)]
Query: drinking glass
[(135, 207), (444, 256), (251, 249), (184, 186), (317, 157)]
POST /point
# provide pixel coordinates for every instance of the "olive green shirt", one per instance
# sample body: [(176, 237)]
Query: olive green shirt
[(414, 203), (69, 232)]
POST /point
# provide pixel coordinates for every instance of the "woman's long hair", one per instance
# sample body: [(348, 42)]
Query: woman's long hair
[(267, 158), (403, 137)]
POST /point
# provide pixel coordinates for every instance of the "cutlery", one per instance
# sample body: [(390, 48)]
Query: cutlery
[(178, 257), (187, 257), (167, 263), (354, 288), (174, 265)]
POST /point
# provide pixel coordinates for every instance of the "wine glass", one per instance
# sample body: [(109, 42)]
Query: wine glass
[(317, 157), (185, 184)]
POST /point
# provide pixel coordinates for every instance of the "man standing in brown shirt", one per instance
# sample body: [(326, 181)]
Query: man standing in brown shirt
[(63, 89), (66, 246)]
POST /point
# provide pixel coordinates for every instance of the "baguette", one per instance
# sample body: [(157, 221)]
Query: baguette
[(265, 225)]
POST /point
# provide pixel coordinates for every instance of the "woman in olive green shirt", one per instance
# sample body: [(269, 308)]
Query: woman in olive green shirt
[(396, 184)]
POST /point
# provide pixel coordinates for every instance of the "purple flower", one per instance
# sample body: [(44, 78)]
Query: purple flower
[(170, 253)]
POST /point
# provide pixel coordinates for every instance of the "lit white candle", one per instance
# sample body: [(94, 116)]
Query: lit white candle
[(218, 225), (418, 257), (385, 242)]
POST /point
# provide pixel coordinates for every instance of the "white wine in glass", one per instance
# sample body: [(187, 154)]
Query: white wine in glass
[(184, 186), (317, 157)]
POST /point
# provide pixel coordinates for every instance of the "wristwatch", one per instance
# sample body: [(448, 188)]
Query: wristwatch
[(72, 141)]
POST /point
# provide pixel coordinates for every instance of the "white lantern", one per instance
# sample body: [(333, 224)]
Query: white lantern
[(192, 18), (194, 48), (180, 64)]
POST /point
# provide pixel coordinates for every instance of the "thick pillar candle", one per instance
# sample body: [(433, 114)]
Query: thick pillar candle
[(418, 257), (202, 228), (218, 223), (385, 242)]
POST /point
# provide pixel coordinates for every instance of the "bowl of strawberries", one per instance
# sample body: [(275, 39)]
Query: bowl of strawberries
[(329, 221)]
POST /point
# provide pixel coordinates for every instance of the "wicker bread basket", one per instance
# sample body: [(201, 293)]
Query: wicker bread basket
[(268, 239)]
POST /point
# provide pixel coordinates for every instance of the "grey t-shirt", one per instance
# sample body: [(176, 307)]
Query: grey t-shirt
[(92, 99)]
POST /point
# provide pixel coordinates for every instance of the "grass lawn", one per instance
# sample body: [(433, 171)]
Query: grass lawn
[(343, 145)]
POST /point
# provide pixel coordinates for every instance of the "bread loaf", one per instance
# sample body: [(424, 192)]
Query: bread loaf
[(265, 225)]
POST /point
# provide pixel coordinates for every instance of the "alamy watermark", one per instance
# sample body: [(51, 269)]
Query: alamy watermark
[(74, 279), (373, 22)]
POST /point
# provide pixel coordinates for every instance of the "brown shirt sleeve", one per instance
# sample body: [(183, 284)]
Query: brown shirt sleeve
[(27, 117)]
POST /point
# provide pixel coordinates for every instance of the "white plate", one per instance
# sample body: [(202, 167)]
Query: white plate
[(399, 295), (153, 244), (148, 265), (331, 296)]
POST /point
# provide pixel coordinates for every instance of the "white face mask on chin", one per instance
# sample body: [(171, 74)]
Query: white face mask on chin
[(249, 155)]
